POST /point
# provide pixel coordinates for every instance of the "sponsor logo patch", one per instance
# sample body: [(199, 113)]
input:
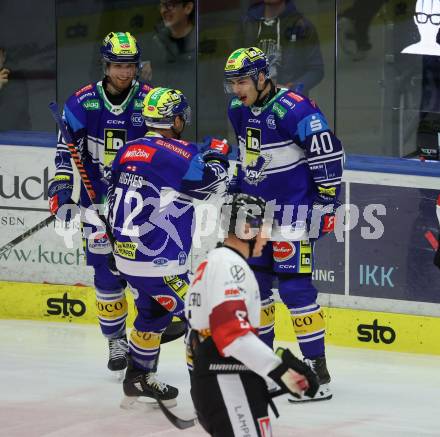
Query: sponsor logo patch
[(137, 119), (98, 243), (82, 90), (283, 251), (168, 302), (161, 261), (265, 426), (126, 249), (138, 152)]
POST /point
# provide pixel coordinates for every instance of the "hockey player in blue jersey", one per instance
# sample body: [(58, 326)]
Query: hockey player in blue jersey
[(101, 117), (289, 156), (154, 180)]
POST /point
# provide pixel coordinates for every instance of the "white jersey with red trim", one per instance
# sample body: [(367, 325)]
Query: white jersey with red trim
[(224, 302), (224, 297)]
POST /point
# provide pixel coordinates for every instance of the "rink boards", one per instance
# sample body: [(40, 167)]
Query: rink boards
[(345, 327), (378, 293)]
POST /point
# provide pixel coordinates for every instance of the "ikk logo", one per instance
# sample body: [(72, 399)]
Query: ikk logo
[(65, 306), (378, 276), (283, 251), (377, 333)]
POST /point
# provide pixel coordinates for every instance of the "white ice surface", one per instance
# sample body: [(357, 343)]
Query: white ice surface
[(54, 382)]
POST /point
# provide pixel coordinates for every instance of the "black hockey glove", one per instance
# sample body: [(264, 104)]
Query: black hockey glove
[(289, 361)]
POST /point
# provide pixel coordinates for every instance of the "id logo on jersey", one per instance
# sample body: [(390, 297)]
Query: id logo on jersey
[(114, 139), (253, 144)]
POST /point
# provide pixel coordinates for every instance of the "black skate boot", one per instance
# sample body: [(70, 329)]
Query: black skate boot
[(140, 384), (117, 359), (319, 366)]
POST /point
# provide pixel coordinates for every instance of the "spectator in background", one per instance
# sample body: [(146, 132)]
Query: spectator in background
[(4, 72), (289, 40), (175, 36), (14, 98), (354, 25), (172, 50)]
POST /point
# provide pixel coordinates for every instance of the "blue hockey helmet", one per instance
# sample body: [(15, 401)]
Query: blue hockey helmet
[(246, 62)]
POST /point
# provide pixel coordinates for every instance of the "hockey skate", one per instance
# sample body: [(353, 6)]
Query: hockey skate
[(324, 393), (141, 388), (117, 360)]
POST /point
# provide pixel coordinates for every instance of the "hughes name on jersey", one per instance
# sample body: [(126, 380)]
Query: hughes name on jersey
[(153, 183), (287, 151), (99, 129)]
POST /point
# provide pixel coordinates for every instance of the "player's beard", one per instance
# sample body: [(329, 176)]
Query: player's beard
[(117, 88)]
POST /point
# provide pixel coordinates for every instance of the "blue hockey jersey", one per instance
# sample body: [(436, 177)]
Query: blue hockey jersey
[(99, 129), (153, 182), (287, 152)]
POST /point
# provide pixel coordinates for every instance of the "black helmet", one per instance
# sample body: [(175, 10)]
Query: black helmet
[(246, 208)]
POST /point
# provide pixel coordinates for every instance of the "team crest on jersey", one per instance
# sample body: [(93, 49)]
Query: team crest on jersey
[(254, 173), (270, 121), (137, 119)]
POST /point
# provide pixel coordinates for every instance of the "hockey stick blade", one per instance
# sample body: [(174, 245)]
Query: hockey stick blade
[(176, 421), (7, 247)]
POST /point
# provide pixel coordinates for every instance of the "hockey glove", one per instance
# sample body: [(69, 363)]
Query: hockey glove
[(294, 376), (321, 216), (213, 149), (60, 198)]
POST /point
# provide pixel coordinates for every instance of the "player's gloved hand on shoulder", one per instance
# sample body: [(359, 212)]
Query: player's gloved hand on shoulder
[(60, 198), (321, 216), (294, 376), (213, 149)]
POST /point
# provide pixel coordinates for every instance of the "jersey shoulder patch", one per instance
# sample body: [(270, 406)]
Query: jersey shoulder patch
[(84, 89), (235, 103), (87, 97)]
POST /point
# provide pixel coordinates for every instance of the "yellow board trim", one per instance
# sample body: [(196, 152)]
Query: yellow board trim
[(63, 303), (415, 334)]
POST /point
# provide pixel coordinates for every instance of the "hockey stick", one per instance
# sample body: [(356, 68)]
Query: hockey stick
[(175, 420), (79, 165), (7, 247), (180, 423), (170, 332)]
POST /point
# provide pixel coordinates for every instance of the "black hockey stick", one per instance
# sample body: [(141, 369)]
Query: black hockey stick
[(175, 420), (7, 247), (180, 423), (79, 165), (174, 327)]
